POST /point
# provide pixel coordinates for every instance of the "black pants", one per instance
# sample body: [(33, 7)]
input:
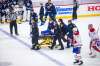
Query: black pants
[(59, 40), (74, 16), (63, 37), (51, 15), (13, 24), (34, 41), (41, 18), (0, 18)]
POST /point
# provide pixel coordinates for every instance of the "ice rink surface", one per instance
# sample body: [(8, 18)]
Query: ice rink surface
[(15, 50)]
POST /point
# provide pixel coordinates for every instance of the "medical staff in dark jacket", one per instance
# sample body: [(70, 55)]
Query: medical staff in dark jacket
[(35, 36), (34, 30), (64, 29), (57, 33), (33, 17)]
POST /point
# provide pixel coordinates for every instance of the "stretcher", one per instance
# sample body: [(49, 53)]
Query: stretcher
[(46, 39)]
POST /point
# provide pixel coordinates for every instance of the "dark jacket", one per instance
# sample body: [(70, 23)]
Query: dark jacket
[(57, 31), (54, 10), (70, 28), (35, 30), (51, 25), (28, 4), (41, 11), (33, 17), (49, 7), (64, 29)]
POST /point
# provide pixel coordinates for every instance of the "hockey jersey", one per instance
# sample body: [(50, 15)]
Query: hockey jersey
[(93, 34), (77, 40)]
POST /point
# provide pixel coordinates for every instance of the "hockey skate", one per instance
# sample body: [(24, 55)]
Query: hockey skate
[(90, 53), (35, 48), (76, 61), (80, 62), (93, 56)]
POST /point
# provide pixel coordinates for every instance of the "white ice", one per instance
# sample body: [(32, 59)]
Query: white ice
[(14, 51)]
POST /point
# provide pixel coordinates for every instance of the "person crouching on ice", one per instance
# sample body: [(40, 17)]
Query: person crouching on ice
[(94, 38), (35, 36), (77, 46)]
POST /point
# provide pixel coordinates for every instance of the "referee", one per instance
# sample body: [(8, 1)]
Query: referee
[(13, 17)]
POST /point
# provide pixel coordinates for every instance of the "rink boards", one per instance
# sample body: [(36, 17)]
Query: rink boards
[(65, 11), (84, 10)]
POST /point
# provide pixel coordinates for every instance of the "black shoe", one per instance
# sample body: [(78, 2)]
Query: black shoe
[(61, 49), (80, 62), (11, 35), (68, 47), (32, 48), (50, 47), (71, 45), (90, 53), (17, 34), (76, 61), (37, 48)]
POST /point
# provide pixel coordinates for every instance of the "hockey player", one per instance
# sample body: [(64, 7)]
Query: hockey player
[(77, 46), (94, 39), (50, 10)]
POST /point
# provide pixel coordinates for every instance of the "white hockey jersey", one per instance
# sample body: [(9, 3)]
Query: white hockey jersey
[(77, 41), (93, 35)]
